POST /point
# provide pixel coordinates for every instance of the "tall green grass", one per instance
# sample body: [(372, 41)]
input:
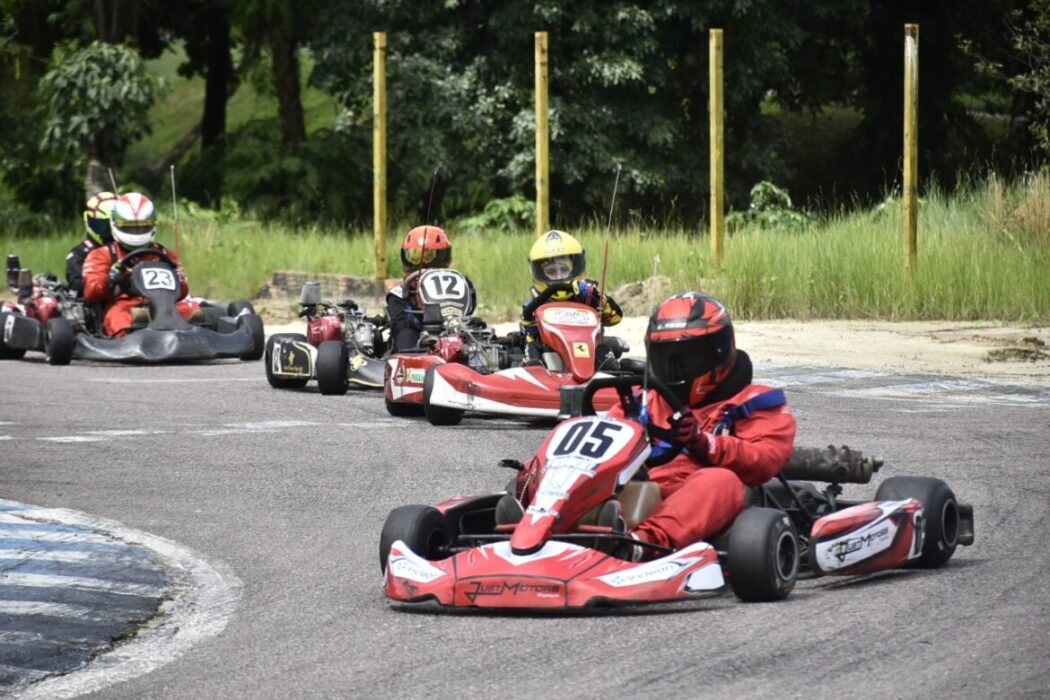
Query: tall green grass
[(983, 254)]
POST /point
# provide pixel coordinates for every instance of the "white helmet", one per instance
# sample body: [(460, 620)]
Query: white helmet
[(134, 220)]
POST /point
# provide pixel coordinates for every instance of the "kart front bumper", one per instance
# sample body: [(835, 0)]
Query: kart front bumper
[(561, 575), (154, 346)]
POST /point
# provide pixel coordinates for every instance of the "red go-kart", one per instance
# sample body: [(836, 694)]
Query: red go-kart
[(460, 555), (451, 337), (573, 333), (41, 318)]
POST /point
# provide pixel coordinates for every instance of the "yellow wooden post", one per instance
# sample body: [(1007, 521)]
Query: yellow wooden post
[(911, 145), (379, 153), (543, 195), (717, 116)]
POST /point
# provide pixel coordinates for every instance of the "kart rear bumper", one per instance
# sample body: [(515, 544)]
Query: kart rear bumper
[(519, 391), (561, 575), (153, 346)]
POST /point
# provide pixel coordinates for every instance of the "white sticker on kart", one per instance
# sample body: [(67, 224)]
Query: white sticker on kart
[(570, 317), (443, 285), (9, 327), (592, 439), (159, 278)]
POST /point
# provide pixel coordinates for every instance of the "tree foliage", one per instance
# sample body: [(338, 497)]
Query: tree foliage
[(96, 101)]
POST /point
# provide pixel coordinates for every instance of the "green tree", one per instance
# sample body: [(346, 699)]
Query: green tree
[(95, 101), (1030, 32)]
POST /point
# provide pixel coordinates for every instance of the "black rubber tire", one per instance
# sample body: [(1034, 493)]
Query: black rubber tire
[(236, 307), (438, 415), (59, 341), (423, 529), (940, 512), (282, 382), (7, 353), (403, 410), (255, 324), (762, 561), (332, 358)]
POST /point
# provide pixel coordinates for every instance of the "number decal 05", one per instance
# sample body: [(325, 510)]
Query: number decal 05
[(595, 439)]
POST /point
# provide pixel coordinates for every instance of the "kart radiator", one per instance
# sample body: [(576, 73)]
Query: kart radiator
[(840, 465)]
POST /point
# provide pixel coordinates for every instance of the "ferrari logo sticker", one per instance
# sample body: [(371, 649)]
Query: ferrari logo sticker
[(581, 350)]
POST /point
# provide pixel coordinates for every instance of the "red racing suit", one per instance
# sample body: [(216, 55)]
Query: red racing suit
[(700, 497), (117, 304)]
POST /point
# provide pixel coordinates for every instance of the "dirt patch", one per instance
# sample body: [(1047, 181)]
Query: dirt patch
[(1015, 355)]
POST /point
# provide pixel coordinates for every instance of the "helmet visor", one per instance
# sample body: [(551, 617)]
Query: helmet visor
[(414, 258), (678, 363), (98, 225), (560, 268), (135, 228)]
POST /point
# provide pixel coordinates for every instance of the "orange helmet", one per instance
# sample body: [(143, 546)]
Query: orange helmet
[(690, 345), (425, 246)]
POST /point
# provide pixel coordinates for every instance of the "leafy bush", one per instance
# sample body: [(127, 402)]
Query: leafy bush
[(502, 215), (770, 208)]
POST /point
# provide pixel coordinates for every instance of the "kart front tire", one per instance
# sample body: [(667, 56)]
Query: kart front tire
[(332, 358), (423, 529), (940, 514), (8, 353), (255, 325), (282, 382), (59, 341), (762, 561), (438, 415)]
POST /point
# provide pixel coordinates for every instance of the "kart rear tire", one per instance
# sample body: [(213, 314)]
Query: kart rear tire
[(332, 359), (255, 325), (438, 415), (282, 382), (423, 529), (762, 561), (236, 307), (59, 341), (940, 514), (403, 410), (8, 353)]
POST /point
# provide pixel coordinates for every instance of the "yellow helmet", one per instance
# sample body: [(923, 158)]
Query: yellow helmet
[(556, 257)]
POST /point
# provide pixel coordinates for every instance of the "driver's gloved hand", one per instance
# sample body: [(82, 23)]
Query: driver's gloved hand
[(118, 277), (686, 431)]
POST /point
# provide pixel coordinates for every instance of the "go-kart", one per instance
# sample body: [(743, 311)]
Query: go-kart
[(555, 555), (574, 334), (342, 347), (45, 318), (53, 320), (449, 338)]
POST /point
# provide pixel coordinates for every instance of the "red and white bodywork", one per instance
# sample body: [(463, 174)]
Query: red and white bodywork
[(559, 575), (584, 461), (572, 331), (868, 537)]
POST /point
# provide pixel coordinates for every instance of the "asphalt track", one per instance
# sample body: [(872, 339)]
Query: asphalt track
[(285, 494)]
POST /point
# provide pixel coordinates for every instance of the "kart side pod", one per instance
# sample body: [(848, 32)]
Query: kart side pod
[(868, 537)]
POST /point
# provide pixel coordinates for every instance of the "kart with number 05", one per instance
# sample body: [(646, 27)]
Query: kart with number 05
[(556, 554)]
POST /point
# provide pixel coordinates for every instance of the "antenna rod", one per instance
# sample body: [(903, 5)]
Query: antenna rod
[(175, 209), (430, 200), (608, 230), (112, 180)]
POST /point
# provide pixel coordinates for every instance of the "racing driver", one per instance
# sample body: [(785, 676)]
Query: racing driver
[(735, 433), (424, 247), (557, 257), (97, 234), (134, 225)]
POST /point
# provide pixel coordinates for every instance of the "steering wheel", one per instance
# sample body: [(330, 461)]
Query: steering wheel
[(528, 312), (124, 263), (632, 407)]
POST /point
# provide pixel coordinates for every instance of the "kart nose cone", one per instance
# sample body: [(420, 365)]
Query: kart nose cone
[(510, 592)]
